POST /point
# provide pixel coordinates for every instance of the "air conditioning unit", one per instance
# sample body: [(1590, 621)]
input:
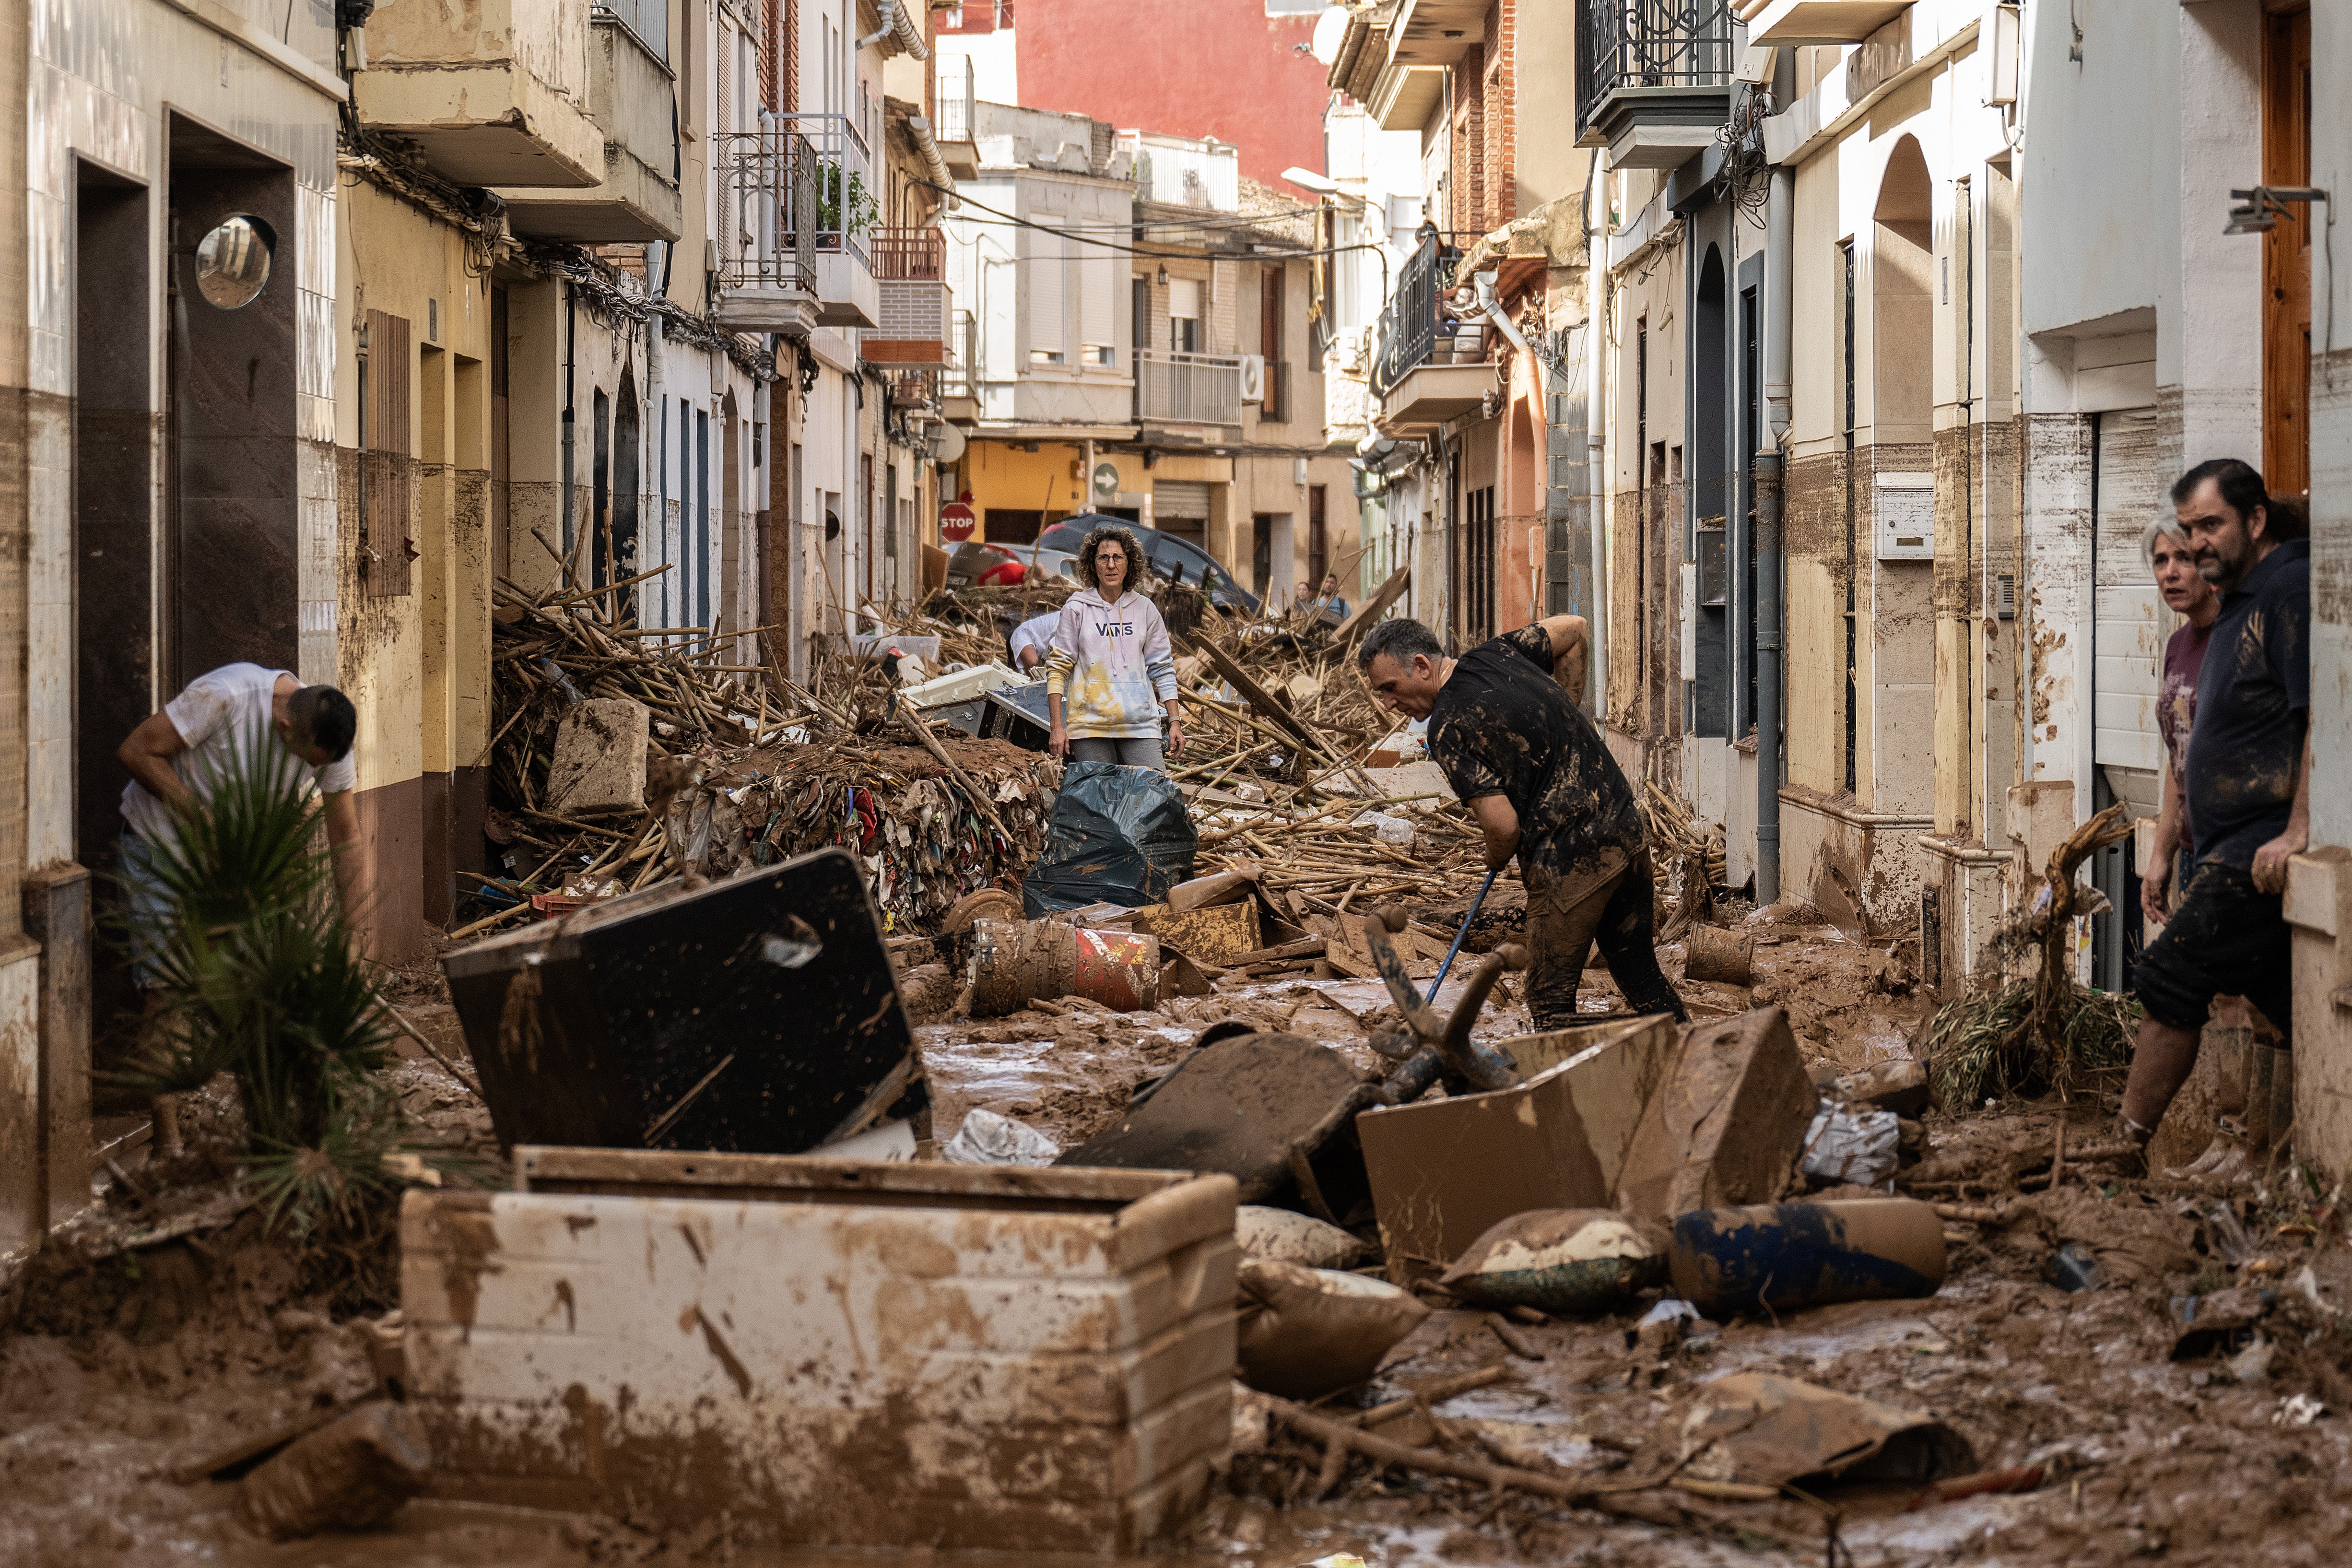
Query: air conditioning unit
[(1252, 378)]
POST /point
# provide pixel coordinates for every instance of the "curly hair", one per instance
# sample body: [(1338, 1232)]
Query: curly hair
[(1117, 533)]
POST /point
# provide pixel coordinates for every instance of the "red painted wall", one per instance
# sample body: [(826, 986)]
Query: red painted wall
[(1196, 68)]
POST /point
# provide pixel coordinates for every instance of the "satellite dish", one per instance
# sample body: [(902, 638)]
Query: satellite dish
[(946, 443)]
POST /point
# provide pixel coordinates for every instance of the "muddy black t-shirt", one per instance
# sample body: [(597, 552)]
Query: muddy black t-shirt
[(2253, 704), (1502, 725)]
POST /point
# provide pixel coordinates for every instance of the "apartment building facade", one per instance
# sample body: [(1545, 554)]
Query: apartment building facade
[(1141, 343), (334, 323), (1475, 463)]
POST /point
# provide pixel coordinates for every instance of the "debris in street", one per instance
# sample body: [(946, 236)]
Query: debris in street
[(1899, 1085), (832, 1353), (1444, 1173), (1781, 1256), (352, 1473), (1119, 834), (1014, 963), (1851, 1148), (1561, 1261), (1716, 955), (757, 1013), (987, 1139), (599, 762), (1263, 1109), (1726, 1125), (1756, 1429), (1284, 1235), (1305, 1332)]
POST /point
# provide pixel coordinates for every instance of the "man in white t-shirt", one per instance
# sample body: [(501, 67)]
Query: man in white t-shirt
[(177, 756), (1033, 640)]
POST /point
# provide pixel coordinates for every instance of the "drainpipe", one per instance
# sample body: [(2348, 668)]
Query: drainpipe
[(933, 164), (571, 342), (1772, 480), (1596, 435)]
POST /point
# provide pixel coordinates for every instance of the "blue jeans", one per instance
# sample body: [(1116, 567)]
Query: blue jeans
[(150, 910)]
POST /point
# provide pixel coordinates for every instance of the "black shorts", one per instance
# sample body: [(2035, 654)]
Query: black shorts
[(2226, 938)]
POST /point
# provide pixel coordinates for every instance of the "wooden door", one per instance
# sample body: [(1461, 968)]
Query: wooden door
[(2287, 256)]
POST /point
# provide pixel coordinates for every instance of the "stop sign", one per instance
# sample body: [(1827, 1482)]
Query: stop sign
[(956, 521)]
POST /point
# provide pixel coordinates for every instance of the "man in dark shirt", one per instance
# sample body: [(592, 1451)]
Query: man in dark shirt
[(1535, 774), (2248, 782)]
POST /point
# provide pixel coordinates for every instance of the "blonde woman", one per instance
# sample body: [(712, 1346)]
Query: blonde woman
[(1110, 666)]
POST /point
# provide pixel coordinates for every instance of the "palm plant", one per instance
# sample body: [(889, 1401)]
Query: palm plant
[(260, 979)]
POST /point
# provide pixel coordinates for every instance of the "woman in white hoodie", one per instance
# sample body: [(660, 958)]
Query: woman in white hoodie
[(1111, 664)]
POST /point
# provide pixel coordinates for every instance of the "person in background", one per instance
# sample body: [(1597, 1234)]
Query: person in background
[(1331, 600), (2247, 781), (1302, 600), (2174, 565), (1538, 779), (178, 757), (1031, 640), (1111, 663)]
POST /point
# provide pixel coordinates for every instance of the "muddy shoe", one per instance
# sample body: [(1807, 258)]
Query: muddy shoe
[(2224, 1161)]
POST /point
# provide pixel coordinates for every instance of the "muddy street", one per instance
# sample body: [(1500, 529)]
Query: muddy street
[(132, 1361)]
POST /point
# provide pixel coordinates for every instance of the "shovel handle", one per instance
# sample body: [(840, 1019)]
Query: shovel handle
[(1464, 933)]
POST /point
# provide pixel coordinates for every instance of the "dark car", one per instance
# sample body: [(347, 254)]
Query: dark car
[(1173, 557)]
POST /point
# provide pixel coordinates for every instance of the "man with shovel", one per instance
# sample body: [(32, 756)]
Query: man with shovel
[(1535, 772)]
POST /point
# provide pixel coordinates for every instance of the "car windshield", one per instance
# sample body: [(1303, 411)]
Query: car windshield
[(1061, 536)]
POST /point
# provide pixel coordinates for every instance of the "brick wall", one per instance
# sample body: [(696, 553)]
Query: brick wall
[(1485, 128)]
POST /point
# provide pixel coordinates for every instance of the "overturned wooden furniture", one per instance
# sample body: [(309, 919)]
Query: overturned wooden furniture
[(829, 1352)]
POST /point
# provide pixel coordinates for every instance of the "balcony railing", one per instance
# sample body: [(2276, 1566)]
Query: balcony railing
[(918, 254), (1633, 44), (1188, 389), (801, 188), (957, 94), (1408, 324)]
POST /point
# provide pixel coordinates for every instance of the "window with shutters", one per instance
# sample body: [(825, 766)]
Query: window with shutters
[(1096, 271), (1184, 315), (1048, 262), (1272, 408), (722, 120), (387, 457)]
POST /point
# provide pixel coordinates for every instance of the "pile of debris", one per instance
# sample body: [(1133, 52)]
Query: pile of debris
[(624, 756)]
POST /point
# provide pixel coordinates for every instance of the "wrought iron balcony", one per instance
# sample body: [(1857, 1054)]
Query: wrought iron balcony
[(1653, 78), (799, 200), (1188, 389), (1408, 322)]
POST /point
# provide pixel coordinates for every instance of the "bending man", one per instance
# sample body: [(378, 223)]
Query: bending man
[(178, 757), (1534, 772)]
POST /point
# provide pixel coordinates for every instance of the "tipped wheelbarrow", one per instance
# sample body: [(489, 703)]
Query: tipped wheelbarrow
[(1277, 1112)]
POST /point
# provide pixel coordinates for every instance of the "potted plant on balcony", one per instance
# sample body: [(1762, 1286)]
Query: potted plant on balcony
[(836, 217)]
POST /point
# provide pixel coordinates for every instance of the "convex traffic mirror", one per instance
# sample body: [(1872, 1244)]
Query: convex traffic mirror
[(233, 262)]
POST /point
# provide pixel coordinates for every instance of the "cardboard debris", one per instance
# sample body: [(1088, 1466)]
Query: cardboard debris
[(1758, 1429), (1443, 1171), (1727, 1124), (599, 757), (832, 1353), (1215, 935)]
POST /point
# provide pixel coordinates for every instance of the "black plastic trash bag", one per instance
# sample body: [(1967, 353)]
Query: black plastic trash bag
[(1118, 835)]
